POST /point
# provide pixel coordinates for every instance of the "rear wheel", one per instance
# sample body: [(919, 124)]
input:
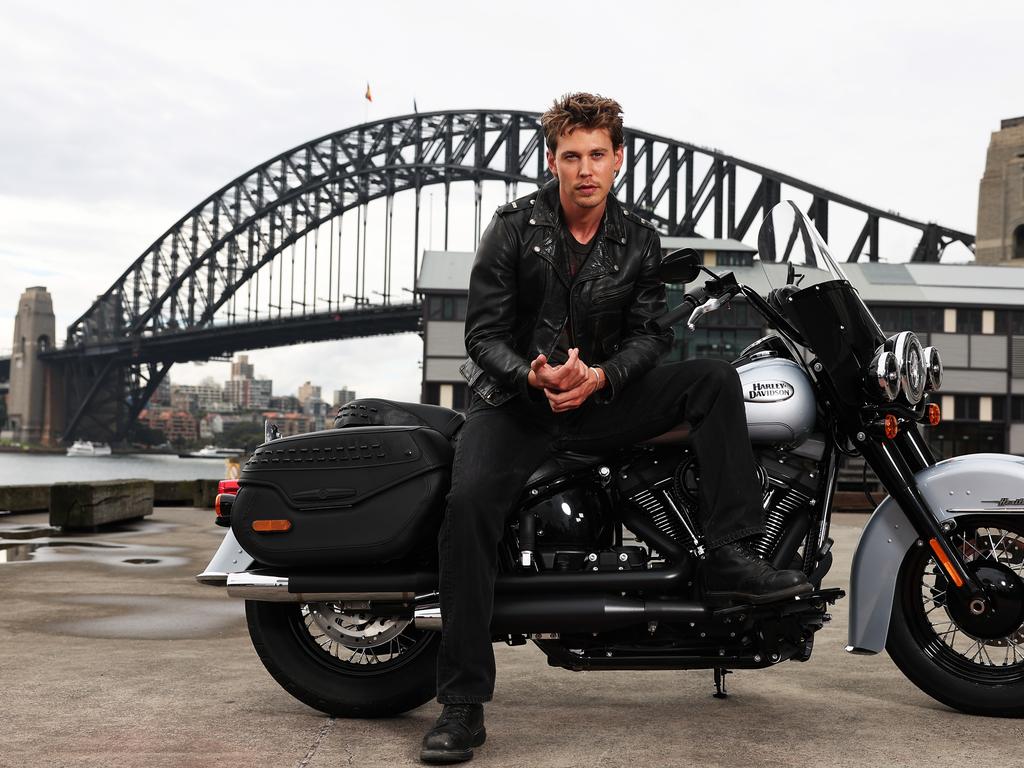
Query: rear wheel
[(344, 663), (974, 664)]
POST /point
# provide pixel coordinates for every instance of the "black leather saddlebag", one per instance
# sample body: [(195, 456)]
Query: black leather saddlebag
[(349, 496)]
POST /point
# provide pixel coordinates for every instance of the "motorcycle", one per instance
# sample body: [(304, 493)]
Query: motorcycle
[(332, 540)]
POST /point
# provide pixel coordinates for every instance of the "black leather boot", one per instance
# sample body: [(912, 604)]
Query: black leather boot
[(459, 728), (734, 572)]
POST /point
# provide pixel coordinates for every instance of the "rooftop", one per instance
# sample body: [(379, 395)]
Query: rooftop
[(935, 284)]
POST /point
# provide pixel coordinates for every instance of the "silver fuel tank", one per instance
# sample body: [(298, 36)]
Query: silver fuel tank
[(779, 400)]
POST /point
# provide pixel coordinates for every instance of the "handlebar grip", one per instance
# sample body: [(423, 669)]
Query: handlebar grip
[(691, 301)]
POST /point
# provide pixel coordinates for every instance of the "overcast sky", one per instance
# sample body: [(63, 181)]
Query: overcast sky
[(118, 117)]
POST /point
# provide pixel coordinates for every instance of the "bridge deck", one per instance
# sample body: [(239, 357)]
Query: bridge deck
[(218, 340)]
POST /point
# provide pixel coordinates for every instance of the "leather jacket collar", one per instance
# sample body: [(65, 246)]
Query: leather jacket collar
[(547, 213)]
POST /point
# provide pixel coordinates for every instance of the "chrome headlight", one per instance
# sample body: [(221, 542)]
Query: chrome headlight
[(910, 357), (883, 375), (933, 364)]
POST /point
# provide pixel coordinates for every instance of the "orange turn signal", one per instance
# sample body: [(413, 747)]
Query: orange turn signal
[(271, 526), (892, 426), (947, 564), (933, 415)]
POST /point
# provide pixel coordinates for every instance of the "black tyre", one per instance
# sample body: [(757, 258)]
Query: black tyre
[(940, 648), (344, 664)]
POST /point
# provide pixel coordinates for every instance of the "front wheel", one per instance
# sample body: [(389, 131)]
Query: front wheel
[(343, 663), (971, 664)]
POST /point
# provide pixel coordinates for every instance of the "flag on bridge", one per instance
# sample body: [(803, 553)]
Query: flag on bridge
[(369, 96)]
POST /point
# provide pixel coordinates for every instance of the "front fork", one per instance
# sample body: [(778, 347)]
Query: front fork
[(895, 462)]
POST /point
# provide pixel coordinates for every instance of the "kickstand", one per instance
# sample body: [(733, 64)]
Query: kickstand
[(720, 692)]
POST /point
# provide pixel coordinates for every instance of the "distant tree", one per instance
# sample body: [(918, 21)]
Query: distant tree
[(241, 435), (144, 434)]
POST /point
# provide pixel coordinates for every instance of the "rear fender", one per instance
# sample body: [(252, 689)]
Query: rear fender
[(990, 483), (229, 558)]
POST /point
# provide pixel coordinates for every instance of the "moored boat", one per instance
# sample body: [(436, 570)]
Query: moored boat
[(87, 448)]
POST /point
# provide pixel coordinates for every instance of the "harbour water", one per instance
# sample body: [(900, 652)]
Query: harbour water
[(34, 469)]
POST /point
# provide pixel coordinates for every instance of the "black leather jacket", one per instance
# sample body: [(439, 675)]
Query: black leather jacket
[(521, 295)]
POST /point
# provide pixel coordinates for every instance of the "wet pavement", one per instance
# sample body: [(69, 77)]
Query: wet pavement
[(112, 655)]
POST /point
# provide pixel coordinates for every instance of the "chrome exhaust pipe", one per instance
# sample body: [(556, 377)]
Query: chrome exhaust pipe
[(570, 613), (274, 589), (427, 617)]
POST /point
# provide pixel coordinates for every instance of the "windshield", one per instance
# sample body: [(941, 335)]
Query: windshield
[(787, 236), (813, 293)]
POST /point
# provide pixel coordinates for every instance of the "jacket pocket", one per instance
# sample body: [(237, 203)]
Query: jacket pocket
[(613, 295), (470, 371), (485, 385)]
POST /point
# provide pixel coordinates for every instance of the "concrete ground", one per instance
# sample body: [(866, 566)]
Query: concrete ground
[(112, 655)]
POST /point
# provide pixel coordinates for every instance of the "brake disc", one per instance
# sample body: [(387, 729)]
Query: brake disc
[(355, 630)]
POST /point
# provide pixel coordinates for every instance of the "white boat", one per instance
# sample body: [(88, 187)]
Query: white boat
[(86, 448), (213, 452)]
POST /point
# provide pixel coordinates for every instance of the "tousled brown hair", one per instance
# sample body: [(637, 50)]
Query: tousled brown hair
[(582, 110)]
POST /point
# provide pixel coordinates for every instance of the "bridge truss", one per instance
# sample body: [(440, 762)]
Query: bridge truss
[(267, 249)]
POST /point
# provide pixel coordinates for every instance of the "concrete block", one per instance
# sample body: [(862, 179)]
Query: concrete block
[(174, 493), (88, 505), (205, 493), (24, 498)]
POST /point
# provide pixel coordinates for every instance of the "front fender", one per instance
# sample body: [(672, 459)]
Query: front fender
[(964, 485)]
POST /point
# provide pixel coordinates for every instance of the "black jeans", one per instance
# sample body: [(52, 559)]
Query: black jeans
[(499, 448)]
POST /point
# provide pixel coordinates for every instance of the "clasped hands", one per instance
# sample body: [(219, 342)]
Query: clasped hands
[(566, 386)]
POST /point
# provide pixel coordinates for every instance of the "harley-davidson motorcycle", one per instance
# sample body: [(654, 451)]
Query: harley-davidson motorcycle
[(332, 540)]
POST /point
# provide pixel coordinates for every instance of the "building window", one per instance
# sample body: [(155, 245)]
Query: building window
[(734, 259), (1018, 242), (998, 408), (1017, 408), (446, 308), (460, 397), (966, 407), (920, 320), (968, 321)]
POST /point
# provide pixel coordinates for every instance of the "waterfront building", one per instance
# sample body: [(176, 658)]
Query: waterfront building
[(204, 397), (343, 396), (211, 425), (285, 404), (244, 389), (248, 393), (290, 423), (241, 368), (179, 426), (307, 391)]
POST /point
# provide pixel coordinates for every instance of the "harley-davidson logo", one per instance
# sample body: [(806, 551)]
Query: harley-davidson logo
[(768, 391), (1005, 502)]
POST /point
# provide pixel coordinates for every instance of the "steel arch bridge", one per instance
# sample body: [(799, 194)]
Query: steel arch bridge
[(215, 281)]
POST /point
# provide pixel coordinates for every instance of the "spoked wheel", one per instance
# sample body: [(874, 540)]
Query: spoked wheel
[(968, 659), (344, 663)]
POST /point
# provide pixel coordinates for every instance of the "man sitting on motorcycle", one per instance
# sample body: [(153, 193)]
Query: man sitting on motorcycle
[(563, 357)]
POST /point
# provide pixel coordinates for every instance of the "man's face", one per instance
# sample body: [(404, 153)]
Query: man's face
[(585, 164)]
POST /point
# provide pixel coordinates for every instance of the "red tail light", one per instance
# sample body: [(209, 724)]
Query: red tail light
[(227, 486)]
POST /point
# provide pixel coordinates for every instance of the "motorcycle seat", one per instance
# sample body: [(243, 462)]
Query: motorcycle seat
[(678, 435), (375, 412), (566, 461), (561, 463)]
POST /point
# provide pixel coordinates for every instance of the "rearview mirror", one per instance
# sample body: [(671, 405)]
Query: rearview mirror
[(682, 266)]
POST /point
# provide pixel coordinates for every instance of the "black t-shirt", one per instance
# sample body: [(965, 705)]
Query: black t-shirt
[(576, 253)]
